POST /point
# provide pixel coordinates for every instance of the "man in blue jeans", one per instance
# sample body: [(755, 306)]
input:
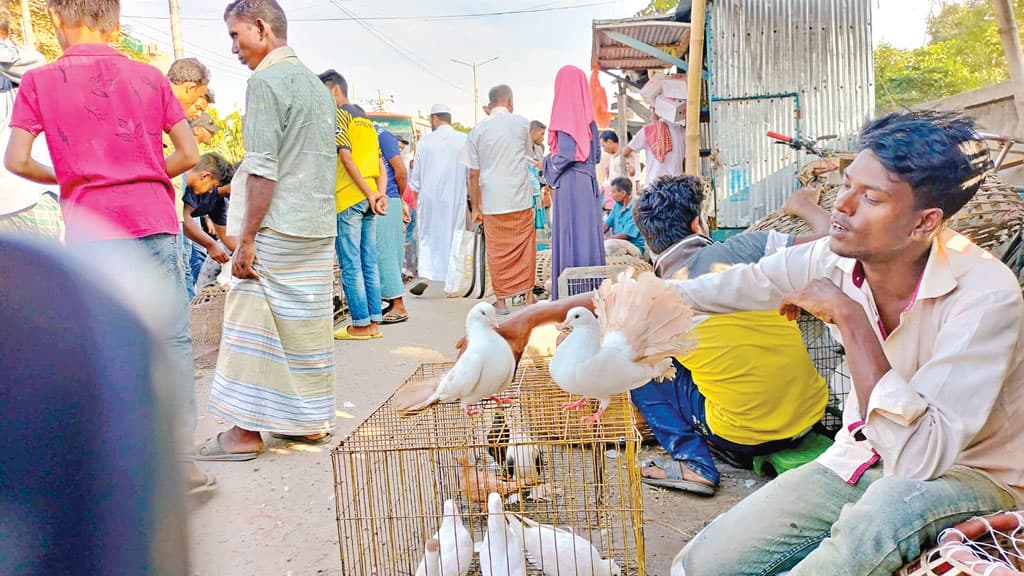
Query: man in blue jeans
[(358, 199)]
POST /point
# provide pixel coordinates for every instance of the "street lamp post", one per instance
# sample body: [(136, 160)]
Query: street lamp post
[(476, 88)]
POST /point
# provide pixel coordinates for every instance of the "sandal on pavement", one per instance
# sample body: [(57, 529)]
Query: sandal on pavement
[(674, 477), (213, 451), (419, 289), (344, 334), (303, 439), (394, 318)]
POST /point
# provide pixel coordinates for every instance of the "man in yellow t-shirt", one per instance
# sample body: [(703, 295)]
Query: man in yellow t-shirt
[(358, 199), (749, 386)]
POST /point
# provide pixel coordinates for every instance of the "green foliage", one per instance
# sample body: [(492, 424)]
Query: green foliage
[(461, 128), (228, 140), (658, 7), (46, 37), (964, 52)]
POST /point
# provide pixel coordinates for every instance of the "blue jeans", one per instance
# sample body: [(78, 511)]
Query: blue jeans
[(185, 254), (356, 245), (390, 250), (675, 412), (811, 522)]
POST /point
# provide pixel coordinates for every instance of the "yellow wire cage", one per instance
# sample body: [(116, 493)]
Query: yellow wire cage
[(393, 473)]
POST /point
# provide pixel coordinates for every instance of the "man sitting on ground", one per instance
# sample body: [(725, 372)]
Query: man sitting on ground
[(749, 388), (933, 328), (620, 226)]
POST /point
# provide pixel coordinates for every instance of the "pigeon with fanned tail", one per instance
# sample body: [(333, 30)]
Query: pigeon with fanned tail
[(557, 551), (501, 551), (485, 369), (641, 323), (455, 546)]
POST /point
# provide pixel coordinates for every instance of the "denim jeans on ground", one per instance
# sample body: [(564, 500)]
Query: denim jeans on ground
[(356, 245), (811, 522), (195, 263), (164, 251), (675, 412), (411, 255)]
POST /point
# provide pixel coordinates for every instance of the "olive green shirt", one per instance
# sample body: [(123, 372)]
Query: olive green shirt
[(288, 132)]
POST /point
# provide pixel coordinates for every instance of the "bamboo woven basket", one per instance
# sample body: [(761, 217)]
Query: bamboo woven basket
[(990, 218), (207, 316)]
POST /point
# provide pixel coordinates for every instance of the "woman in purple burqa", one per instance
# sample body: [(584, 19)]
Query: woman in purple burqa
[(576, 229)]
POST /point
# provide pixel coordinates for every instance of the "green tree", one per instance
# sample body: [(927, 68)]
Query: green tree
[(964, 52), (46, 37), (658, 7), (461, 127), (228, 140)]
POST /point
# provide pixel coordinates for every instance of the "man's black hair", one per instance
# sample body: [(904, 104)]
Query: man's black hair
[(610, 136), (444, 117), (267, 10), (665, 210), (623, 183), (939, 154), (332, 78), (219, 168)]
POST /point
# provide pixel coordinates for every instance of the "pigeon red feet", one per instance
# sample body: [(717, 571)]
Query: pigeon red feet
[(575, 405), (595, 417), (503, 400)]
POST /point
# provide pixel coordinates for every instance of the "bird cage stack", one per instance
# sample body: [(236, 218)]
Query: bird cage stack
[(830, 360), (573, 281), (394, 473)]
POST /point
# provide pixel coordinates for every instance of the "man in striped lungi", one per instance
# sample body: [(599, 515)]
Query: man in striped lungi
[(275, 372)]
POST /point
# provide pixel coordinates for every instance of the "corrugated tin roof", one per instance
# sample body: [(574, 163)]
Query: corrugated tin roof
[(662, 32)]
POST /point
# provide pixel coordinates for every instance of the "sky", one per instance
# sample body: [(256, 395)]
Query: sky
[(530, 47)]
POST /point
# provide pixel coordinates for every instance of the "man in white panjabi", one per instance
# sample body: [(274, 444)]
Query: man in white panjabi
[(439, 179)]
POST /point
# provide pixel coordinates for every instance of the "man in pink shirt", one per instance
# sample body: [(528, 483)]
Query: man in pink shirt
[(104, 116)]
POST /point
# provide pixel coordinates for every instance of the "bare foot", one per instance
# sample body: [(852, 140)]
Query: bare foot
[(398, 307), (801, 199), (370, 330), (689, 475), (238, 441)]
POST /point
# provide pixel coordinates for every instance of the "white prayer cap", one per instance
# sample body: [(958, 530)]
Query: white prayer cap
[(440, 109)]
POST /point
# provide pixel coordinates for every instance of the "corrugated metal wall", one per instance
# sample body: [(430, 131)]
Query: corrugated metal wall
[(820, 49)]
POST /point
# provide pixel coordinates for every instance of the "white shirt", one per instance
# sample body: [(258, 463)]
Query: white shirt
[(955, 392), (439, 177), (674, 160), (498, 148), (16, 193)]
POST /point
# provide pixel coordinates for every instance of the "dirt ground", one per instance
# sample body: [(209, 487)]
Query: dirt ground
[(276, 516)]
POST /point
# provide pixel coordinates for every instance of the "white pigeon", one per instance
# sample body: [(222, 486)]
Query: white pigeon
[(501, 551), (455, 543), (485, 369), (431, 564), (558, 551), (641, 324)]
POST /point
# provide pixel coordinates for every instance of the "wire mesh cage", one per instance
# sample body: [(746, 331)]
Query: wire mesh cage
[(393, 473), (830, 360), (990, 545)]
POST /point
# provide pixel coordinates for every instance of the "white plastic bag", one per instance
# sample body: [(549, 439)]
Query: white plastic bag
[(467, 265)]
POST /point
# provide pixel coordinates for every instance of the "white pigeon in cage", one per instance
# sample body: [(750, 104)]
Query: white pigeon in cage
[(641, 323), (484, 370), (431, 564), (455, 546), (501, 551), (558, 551)]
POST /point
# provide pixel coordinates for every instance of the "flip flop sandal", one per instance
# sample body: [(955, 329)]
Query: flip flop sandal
[(344, 334), (674, 477), (419, 289), (393, 318), (386, 306), (213, 451), (304, 440), (209, 483)]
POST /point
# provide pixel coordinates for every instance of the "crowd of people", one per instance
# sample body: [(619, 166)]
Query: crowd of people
[(930, 323)]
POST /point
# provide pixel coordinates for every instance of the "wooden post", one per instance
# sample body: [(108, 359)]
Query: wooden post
[(176, 41), (1014, 57), (622, 127), (28, 37), (694, 77)]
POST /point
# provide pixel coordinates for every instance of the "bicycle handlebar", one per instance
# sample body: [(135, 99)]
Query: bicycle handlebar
[(780, 137)]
